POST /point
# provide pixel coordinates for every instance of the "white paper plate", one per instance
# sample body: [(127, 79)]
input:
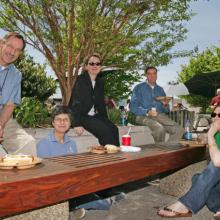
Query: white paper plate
[(130, 149)]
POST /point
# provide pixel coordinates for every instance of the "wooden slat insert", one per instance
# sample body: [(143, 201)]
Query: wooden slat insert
[(53, 181), (87, 159)]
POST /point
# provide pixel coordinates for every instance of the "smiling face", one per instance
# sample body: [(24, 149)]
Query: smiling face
[(61, 123), (93, 67), (10, 50)]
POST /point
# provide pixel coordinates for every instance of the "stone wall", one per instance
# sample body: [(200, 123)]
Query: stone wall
[(140, 135)]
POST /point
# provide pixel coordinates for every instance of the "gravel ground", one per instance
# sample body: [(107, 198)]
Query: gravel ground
[(142, 198)]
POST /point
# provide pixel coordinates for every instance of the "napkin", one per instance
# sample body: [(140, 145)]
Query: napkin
[(129, 149)]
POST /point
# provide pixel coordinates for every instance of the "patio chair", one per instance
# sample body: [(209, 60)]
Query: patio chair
[(202, 124)]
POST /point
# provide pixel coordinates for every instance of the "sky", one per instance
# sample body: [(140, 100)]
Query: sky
[(203, 31)]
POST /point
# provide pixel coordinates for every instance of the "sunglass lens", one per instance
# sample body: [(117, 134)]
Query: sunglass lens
[(94, 64), (213, 115)]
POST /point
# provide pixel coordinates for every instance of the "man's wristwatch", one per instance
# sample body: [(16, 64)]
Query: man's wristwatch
[(147, 112)]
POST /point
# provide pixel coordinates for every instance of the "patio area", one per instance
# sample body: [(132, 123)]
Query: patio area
[(142, 198)]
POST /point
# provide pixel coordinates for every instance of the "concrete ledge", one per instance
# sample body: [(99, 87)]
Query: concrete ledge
[(140, 135), (178, 183), (54, 212)]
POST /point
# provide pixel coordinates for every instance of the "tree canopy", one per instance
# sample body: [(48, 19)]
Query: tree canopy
[(127, 33), (202, 63), (35, 82)]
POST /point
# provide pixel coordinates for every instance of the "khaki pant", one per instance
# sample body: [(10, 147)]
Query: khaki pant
[(159, 125), (17, 140)]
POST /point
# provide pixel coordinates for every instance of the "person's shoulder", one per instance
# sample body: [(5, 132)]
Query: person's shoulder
[(82, 78), (159, 87), (13, 70), (99, 81), (44, 141), (68, 138), (140, 85), (83, 75), (72, 141)]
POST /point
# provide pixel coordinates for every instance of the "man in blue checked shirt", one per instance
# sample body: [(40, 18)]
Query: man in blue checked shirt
[(152, 112), (13, 138)]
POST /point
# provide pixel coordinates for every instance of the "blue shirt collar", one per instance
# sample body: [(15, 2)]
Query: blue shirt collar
[(7, 67), (53, 139)]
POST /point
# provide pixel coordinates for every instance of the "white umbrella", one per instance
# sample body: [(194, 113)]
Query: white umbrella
[(176, 89)]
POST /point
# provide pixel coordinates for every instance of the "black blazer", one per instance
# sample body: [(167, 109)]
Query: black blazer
[(84, 97)]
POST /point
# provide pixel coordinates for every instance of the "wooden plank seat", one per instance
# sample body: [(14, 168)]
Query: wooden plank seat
[(61, 178)]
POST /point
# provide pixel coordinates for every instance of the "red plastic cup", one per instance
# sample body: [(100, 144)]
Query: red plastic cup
[(126, 140)]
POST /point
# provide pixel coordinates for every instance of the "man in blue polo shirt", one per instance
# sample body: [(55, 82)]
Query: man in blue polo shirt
[(152, 112), (14, 139)]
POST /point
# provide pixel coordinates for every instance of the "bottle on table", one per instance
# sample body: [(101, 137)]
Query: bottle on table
[(188, 130), (123, 117)]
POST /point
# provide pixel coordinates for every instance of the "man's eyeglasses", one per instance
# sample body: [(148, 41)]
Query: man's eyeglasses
[(213, 115), (59, 120), (94, 64)]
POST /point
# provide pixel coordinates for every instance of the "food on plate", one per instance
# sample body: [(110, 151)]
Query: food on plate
[(99, 149), (111, 148), (17, 160), (163, 98)]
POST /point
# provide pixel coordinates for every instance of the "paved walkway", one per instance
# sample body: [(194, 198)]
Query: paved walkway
[(141, 199)]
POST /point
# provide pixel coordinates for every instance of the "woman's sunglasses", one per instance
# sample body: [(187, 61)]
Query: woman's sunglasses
[(94, 64), (213, 115)]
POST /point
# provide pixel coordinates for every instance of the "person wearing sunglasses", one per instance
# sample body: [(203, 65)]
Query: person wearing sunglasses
[(205, 189), (215, 100), (87, 104)]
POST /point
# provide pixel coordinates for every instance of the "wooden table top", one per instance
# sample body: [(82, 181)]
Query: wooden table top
[(61, 178)]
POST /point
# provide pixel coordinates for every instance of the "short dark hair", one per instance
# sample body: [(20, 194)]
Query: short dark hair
[(16, 35), (61, 109), (149, 68)]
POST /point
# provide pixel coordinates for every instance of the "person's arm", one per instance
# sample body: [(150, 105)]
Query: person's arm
[(5, 115), (213, 149), (99, 93), (75, 103), (79, 130), (165, 103), (136, 103)]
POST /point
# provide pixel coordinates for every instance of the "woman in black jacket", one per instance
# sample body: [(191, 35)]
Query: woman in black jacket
[(87, 104)]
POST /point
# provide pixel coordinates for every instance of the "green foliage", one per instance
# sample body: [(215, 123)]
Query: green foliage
[(203, 63), (114, 116), (128, 34), (131, 118), (118, 83), (31, 112), (35, 83)]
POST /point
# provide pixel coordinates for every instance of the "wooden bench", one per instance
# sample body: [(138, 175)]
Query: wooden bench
[(61, 178)]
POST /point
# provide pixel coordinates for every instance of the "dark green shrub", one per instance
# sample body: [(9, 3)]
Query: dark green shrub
[(35, 82), (31, 112), (114, 116), (131, 118)]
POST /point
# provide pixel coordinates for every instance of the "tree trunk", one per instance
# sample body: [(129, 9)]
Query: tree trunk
[(66, 92)]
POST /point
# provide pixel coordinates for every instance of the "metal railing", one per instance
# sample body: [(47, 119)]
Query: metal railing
[(181, 116)]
